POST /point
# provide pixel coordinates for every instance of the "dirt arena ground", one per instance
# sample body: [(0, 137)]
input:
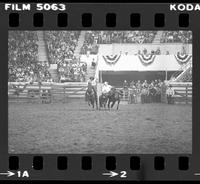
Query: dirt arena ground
[(73, 127)]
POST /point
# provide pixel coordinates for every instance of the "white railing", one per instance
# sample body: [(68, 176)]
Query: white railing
[(185, 69)]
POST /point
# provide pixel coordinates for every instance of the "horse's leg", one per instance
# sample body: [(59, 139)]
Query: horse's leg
[(92, 102), (105, 102), (113, 104), (96, 103), (100, 103), (109, 104), (118, 104)]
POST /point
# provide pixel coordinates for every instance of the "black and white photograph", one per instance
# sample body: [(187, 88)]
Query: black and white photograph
[(99, 92)]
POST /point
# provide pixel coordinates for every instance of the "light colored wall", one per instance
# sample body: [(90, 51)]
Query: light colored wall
[(108, 49)]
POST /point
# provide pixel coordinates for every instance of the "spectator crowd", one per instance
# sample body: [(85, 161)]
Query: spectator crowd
[(22, 55), (176, 37), (144, 91), (94, 38), (154, 52), (22, 58), (61, 46), (23, 50), (72, 71)]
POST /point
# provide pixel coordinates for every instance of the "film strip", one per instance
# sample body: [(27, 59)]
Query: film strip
[(99, 91)]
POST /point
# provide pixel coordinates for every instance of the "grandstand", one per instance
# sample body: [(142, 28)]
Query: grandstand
[(65, 48), (68, 56), (22, 53)]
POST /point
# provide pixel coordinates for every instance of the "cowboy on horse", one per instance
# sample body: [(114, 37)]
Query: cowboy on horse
[(91, 93), (110, 95), (103, 98), (106, 88)]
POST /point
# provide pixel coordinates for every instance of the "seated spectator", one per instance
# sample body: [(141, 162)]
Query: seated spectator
[(22, 55), (158, 52), (61, 45), (94, 38), (72, 71), (176, 37)]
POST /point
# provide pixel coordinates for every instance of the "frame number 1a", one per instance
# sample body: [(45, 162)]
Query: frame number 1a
[(22, 174)]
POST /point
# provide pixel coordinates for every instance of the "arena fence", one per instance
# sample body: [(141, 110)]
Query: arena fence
[(45, 93), (183, 92), (58, 92)]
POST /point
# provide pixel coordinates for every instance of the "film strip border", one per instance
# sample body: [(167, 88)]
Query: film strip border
[(86, 167), (110, 167), (107, 16), (110, 163), (87, 20)]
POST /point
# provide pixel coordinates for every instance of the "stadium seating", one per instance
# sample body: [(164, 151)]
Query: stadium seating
[(22, 55), (176, 37), (23, 62), (72, 71), (94, 38), (61, 46)]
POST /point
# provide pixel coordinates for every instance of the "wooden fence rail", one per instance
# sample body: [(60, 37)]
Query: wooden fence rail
[(47, 93)]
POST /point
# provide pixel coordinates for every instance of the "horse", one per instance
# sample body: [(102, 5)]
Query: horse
[(91, 96), (114, 96), (103, 99)]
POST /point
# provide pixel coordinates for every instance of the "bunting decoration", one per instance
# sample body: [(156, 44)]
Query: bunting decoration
[(147, 59), (111, 59), (182, 58)]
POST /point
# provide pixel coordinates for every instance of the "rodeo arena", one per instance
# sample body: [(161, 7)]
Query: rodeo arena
[(127, 92)]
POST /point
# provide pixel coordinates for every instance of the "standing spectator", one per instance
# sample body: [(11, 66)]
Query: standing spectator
[(133, 93), (132, 83), (93, 63), (125, 85), (170, 95)]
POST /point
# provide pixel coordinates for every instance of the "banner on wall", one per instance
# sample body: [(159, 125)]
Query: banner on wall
[(141, 62), (146, 59), (111, 59), (182, 58)]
